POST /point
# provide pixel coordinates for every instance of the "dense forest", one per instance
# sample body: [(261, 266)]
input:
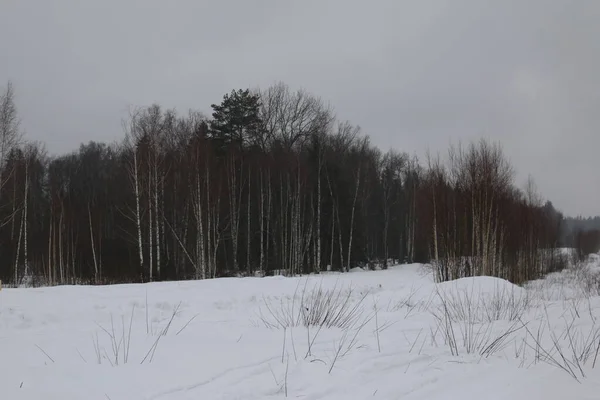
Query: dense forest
[(271, 182)]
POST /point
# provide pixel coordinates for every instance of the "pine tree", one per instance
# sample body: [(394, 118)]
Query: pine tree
[(236, 120)]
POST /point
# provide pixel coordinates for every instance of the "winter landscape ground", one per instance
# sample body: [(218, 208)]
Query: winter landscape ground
[(391, 334)]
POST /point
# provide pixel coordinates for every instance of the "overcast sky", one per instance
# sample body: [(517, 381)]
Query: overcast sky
[(413, 74)]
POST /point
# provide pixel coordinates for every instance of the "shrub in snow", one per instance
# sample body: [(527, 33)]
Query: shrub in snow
[(483, 299), (581, 280), (336, 307), (466, 312)]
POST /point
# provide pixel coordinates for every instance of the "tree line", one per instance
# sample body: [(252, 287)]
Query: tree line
[(272, 182), (582, 234)]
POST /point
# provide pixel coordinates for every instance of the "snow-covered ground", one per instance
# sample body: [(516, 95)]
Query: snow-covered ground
[(391, 334)]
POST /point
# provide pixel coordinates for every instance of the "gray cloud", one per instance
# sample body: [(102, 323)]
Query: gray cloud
[(414, 75)]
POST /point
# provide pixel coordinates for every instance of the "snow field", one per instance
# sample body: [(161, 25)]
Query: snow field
[(391, 334)]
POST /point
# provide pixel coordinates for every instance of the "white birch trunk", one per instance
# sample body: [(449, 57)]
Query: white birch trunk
[(262, 225), (435, 234), (50, 274), (26, 259), (18, 256), (150, 240), (156, 215), (248, 267), (352, 219), (200, 229), (138, 218), (96, 270), (318, 256), (332, 238), (269, 210), (233, 212), (60, 247)]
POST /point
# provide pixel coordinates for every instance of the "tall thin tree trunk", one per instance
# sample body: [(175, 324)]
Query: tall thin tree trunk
[(352, 219), (233, 212), (14, 206), (298, 227), (216, 230), (60, 246), (332, 238), (435, 234), (50, 274), (269, 211), (150, 221), (283, 217), (72, 253), (317, 267), (93, 245), (200, 230), (18, 256), (262, 224), (249, 217), (386, 226), (336, 213), (138, 218), (210, 264), (157, 217), (164, 246), (25, 218)]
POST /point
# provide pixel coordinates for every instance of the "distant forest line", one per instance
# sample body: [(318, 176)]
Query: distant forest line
[(271, 182)]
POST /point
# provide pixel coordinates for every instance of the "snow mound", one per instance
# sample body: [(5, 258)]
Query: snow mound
[(481, 299), (482, 285)]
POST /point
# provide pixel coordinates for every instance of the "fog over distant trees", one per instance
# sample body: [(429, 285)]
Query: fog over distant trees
[(272, 182), (576, 224), (582, 234)]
